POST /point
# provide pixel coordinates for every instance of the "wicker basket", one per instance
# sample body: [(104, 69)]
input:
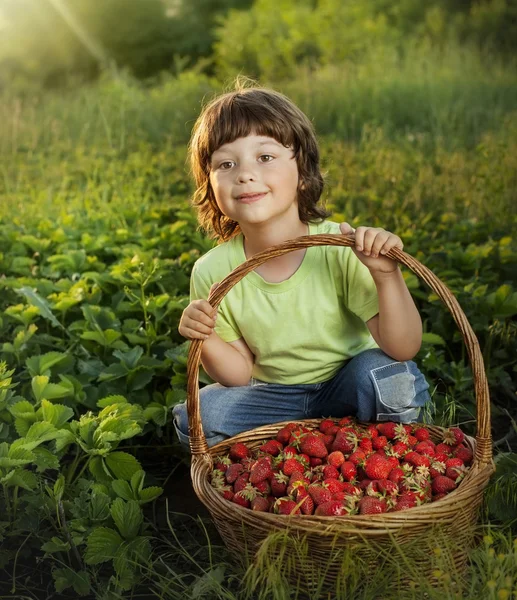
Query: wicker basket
[(243, 530)]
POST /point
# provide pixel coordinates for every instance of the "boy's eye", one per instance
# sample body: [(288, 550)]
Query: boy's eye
[(266, 156), (225, 165)]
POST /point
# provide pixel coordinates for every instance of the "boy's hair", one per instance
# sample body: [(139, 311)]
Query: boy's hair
[(237, 114)]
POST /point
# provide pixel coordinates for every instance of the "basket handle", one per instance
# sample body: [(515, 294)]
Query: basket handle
[(198, 443)]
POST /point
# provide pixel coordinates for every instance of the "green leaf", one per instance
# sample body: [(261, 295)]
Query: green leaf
[(57, 414), (98, 469), (156, 413), (122, 465), (111, 400), (122, 489), (98, 510), (59, 487), (43, 306), (21, 409), (434, 339), (55, 545), (44, 460), (128, 517), (40, 364), (66, 577), (24, 479), (130, 358), (102, 545), (63, 438), (149, 494), (38, 384)]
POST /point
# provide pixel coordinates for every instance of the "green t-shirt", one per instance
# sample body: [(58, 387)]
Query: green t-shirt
[(300, 330)]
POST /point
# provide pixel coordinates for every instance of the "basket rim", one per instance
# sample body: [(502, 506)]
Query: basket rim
[(483, 451)]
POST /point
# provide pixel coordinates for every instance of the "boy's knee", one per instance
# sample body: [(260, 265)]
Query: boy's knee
[(399, 388)]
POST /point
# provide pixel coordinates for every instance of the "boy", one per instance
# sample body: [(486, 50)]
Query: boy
[(319, 331)]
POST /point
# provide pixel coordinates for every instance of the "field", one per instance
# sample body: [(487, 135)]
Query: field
[(97, 241)]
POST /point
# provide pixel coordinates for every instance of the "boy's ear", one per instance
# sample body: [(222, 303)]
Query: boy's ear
[(301, 184)]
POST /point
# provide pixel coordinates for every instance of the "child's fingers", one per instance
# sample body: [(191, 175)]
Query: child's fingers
[(392, 242), (365, 237), (379, 242), (346, 228)]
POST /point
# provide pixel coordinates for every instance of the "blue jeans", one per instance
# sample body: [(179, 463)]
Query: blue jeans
[(371, 386)]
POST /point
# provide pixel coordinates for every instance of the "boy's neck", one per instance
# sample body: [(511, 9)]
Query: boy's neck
[(257, 239)]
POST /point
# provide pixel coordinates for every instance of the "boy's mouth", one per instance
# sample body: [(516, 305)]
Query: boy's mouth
[(249, 198)]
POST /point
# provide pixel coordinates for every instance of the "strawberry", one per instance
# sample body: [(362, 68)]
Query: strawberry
[(387, 429), (296, 480), (369, 505), (456, 473), (279, 484), (319, 493), (453, 436), (240, 499), (241, 482), (421, 434), (364, 483), (261, 470), (345, 421), (399, 449), (239, 451), (417, 460), (366, 444), (404, 503), (465, 454), (325, 425), (387, 487), (315, 462), (285, 433), (443, 449), (411, 440), (332, 508), (328, 440), (372, 431), (453, 462), (393, 460), (330, 472), (345, 442), (357, 457), (380, 442), (334, 485), (426, 448), (264, 487), (260, 504), (396, 475), (348, 470), (307, 503), (273, 447), (286, 506), (226, 492), (351, 489), (313, 445), (290, 451), (336, 459), (436, 468), (222, 463), (377, 467), (233, 471), (442, 485)]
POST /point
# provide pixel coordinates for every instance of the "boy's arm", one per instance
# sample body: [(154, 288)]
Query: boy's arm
[(228, 363), (397, 328)]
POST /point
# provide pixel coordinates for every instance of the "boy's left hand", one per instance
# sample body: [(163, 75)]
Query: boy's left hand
[(371, 243)]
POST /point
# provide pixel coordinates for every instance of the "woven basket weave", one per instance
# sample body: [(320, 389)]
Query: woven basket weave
[(243, 530)]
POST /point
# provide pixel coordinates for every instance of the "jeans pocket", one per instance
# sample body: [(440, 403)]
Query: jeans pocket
[(395, 391)]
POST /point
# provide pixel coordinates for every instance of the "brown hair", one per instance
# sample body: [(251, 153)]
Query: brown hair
[(237, 114)]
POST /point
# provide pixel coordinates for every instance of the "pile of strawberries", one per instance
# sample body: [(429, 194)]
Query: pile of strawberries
[(343, 468)]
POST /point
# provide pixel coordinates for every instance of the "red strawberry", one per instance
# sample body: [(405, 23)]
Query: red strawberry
[(336, 459), (417, 460), (377, 467), (404, 503), (453, 436), (319, 493), (290, 451), (285, 433), (264, 487), (426, 448), (239, 451), (453, 462), (368, 505), (393, 460), (331, 508), (357, 457), (380, 442), (222, 463), (226, 492), (233, 471), (325, 425), (436, 468), (273, 447), (348, 470), (443, 449), (364, 483), (261, 470), (465, 454), (296, 480), (291, 465), (396, 475), (330, 472), (387, 429), (315, 462), (421, 434), (240, 499), (351, 489), (260, 504), (398, 449), (372, 431), (241, 482), (366, 444), (313, 446), (345, 442), (328, 440), (286, 506), (345, 421), (442, 485), (279, 484), (307, 503), (387, 487), (334, 485)]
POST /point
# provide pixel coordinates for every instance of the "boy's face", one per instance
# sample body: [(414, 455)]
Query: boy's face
[(255, 180)]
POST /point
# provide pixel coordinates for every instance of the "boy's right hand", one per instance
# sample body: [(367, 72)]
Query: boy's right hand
[(198, 320)]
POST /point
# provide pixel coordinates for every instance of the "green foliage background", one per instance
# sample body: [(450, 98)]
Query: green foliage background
[(416, 110)]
